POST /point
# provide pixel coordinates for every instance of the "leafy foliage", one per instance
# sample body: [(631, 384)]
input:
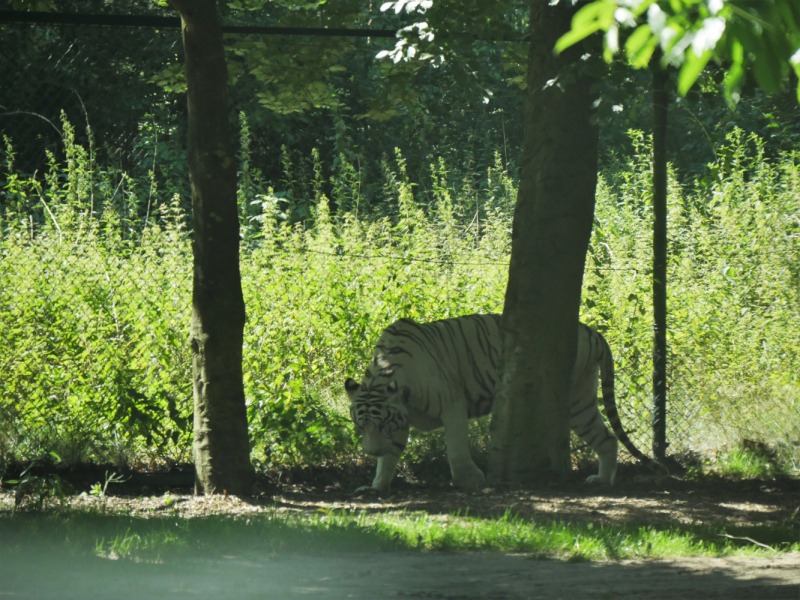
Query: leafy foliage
[(34, 490), (95, 299), (461, 109), (760, 37), (126, 87), (95, 336), (733, 295)]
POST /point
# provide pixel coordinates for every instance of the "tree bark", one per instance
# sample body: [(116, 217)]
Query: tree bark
[(660, 115), (221, 442), (550, 236)]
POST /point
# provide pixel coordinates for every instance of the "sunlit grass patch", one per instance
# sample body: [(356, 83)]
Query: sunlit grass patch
[(568, 539), (276, 532), (749, 460), (746, 464)]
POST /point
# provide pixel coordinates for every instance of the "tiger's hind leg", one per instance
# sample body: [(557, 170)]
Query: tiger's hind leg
[(587, 422), (608, 463)]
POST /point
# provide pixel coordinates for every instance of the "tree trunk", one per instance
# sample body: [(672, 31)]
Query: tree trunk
[(221, 442), (660, 114), (550, 236)]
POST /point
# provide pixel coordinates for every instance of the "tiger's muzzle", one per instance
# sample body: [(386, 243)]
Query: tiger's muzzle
[(374, 443)]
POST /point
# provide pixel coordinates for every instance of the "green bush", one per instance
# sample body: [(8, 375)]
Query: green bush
[(734, 301), (95, 301)]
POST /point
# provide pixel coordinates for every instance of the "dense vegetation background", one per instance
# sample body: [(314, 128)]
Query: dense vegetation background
[(349, 223)]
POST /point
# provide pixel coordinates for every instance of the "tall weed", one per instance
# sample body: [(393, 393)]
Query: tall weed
[(733, 303), (95, 292)]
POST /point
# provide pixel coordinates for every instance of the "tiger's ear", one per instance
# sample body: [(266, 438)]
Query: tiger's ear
[(351, 387)]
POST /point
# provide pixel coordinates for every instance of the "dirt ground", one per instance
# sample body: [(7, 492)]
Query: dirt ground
[(637, 499)]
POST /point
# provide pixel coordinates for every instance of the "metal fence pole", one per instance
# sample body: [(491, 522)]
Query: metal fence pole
[(660, 111)]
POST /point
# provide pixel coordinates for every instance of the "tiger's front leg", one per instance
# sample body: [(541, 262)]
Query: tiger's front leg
[(387, 463), (465, 472)]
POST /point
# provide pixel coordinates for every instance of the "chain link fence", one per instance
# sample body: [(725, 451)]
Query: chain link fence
[(95, 280)]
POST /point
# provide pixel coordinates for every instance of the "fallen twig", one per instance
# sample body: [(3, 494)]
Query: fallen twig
[(747, 539)]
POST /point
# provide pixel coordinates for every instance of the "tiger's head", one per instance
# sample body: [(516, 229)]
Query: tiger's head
[(379, 411)]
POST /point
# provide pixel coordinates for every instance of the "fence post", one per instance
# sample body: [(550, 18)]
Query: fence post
[(660, 112)]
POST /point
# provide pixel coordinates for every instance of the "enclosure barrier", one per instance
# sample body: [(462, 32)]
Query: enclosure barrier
[(95, 298)]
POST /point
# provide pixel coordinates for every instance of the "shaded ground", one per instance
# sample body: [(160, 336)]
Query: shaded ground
[(636, 499), (44, 575)]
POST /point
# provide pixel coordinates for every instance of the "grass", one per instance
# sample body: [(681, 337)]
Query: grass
[(277, 532), (759, 462)]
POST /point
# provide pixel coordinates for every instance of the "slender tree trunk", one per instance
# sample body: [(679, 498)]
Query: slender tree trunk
[(551, 231), (660, 113), (221, 442)]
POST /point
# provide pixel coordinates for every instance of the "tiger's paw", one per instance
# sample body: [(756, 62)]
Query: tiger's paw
[(368, 490), (597, 479), (607, 473)]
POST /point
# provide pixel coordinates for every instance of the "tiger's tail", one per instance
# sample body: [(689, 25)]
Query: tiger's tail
[(610, 404)]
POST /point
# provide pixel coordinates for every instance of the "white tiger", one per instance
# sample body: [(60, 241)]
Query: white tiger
[(443, 373)]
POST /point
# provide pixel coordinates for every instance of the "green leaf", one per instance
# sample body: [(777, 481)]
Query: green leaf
[(691, 70), (642, 7), (736, 70), (797, 70), (574, 36), (767, 69), (640, 46), (601, 11), (589, 19), (638, 39), (784, 9)]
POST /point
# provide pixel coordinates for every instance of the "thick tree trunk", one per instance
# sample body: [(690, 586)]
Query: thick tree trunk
[(551, 231), (221, 442)]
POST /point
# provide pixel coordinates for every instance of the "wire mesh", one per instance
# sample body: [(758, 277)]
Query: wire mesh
[(97, 318), (89, 329)]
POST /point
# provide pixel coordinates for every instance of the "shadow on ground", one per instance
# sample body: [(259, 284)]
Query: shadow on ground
[(227, 563), (40, 573)]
